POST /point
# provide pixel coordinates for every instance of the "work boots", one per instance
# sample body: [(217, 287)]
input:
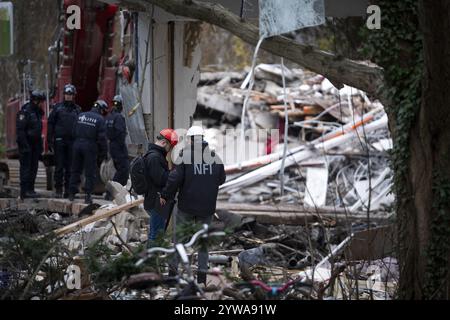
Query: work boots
[(32, 194), (28, 195), (88, 199)]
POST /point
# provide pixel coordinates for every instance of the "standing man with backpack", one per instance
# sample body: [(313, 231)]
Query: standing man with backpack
[(197, 178), (149, 176)]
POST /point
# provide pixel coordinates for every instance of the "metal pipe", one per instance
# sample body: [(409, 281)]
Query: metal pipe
[(47, 95), (286, 125), (219, 259)]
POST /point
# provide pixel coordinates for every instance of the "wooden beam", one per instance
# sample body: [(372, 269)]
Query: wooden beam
[(303, 218), (294, 214), (99, 215), (275, 208)]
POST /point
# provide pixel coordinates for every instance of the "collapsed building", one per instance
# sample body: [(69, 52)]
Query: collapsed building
[(321, 210)]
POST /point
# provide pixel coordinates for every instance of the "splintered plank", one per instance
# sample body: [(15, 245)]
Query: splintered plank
[(99, 215)]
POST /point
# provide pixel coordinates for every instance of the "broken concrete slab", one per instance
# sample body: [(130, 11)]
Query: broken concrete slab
[(212, 77), (316, 186), (210, 98), (118, 192)]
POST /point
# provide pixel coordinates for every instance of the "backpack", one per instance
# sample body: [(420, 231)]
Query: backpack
[(139, 182)]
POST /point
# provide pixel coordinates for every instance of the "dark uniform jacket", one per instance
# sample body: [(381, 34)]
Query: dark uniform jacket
[(90, 128), (157, 171), (116, 129), (29, 127), (197, 180), (62, 120)]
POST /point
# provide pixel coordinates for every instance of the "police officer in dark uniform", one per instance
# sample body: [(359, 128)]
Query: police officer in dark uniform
[(61, 122), (116, 131), (29, 141), (89, 149)]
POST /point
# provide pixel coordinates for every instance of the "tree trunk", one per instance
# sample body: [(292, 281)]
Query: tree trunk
[(426, 257)]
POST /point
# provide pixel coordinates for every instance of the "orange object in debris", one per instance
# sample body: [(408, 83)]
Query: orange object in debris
[(312, 110)]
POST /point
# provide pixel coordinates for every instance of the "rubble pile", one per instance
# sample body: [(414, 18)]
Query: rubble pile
[(321, 253), (336, 176), (126, 230)]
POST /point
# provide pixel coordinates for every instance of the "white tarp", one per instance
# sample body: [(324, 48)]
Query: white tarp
[(281, 16)]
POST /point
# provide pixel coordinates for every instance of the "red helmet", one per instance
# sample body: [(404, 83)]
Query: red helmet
[(170, 135)]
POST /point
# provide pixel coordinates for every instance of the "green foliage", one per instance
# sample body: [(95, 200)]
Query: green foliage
[(326, 43), (22, 258), (108, 270)]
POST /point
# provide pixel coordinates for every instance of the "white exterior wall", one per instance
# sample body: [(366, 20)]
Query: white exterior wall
[(158, 75), (161, 53), (186, 80)]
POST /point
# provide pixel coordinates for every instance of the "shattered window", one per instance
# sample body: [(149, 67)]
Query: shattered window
[(282, 16)]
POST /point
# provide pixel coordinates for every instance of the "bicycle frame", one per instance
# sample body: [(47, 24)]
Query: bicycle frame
[(180, 250)]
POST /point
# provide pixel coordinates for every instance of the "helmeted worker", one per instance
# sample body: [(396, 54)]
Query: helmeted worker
[(197, 177), (29, 141), (157, 169), (89, 149), (116, 132), (60, 138)]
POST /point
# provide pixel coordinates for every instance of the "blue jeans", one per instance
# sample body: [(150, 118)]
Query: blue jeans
[(157, 224)]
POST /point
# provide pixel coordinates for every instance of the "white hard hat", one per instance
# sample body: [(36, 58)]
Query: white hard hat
[(195, 131)]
